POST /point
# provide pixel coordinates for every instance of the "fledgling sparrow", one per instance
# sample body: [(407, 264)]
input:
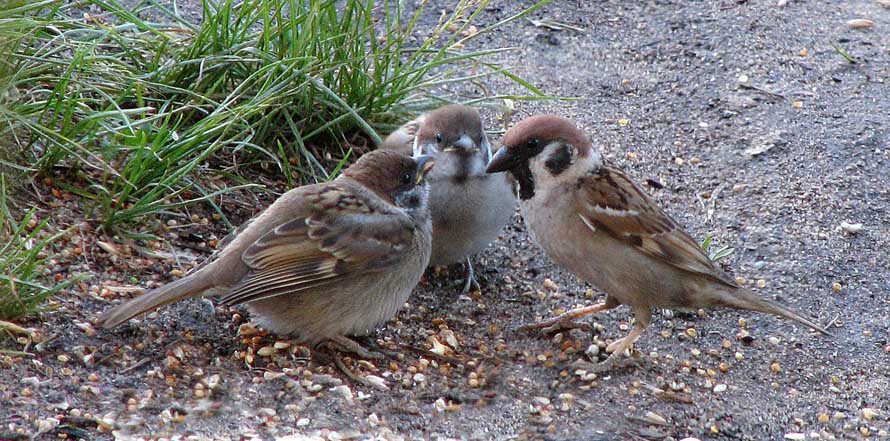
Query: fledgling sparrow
[(593, 220), (324, 261), (468, 206)]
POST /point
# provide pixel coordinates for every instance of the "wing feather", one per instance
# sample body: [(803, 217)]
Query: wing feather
[(321, 249), (611, 202)]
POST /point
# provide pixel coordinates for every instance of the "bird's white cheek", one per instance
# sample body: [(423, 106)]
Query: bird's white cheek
[(540, 173)]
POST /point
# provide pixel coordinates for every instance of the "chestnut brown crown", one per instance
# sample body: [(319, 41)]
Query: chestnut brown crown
[(528, 138), (388, 173), (445, 125)]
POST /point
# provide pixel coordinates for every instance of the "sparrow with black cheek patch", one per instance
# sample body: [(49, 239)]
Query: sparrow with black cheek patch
[(468, 206), (593, 220), (324, 261)]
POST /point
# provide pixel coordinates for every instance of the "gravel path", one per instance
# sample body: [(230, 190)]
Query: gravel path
[(761, 135)]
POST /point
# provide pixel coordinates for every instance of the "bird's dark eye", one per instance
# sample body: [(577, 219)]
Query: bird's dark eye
[(438, 137), (405, 179), (533, 143)]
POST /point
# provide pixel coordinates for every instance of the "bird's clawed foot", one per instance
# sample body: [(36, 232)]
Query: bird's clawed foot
[(614, 362), (566, 320), (345, 344), (338, 345), (471, 280), (555, 325)]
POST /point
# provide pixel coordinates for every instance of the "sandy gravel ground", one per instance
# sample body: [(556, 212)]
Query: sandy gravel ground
[(749, 127)]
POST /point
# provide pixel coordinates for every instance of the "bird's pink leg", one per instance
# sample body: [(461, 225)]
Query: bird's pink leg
[(567, 319)]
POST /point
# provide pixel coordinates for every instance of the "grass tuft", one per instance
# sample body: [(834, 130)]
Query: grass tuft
[(137, 114), (716, 254), (23, 253)]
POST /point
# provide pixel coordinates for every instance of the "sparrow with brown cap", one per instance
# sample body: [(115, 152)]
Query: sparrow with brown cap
[(469, 207), (594, 221)]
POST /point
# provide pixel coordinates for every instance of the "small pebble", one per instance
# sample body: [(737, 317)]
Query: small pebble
[(720, 388), (836, 287), (795, 436), (823, 418), (344, 392), (851, 228), (775, 367)]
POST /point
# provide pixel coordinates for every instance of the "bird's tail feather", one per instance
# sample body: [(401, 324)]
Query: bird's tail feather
[(744, 298), (186, 287)]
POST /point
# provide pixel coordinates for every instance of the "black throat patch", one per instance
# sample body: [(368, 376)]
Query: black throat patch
[(559, 160), (523, 175)]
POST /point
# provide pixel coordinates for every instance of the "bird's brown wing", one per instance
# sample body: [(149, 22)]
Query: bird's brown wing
[(612, 203), (321, 249)]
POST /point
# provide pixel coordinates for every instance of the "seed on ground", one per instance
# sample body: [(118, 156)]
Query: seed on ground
[(869, 413)]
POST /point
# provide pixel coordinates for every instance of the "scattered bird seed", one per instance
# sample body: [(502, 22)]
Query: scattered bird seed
[(654, 418), (377, 382), (860, 23), (869, 413)]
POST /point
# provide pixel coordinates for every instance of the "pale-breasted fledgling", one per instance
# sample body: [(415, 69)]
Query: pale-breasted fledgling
[(324, 261), (468, 206), (594, 221)]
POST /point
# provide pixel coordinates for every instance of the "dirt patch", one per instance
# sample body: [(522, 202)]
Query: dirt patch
[(673, 92)]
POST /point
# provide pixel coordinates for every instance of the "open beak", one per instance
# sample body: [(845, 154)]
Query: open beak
[(463, 144), (501, 161), (425, 163)]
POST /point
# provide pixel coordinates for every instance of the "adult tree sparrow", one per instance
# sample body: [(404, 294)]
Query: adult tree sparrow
[(594, 221), (323, 261), (468, 206)]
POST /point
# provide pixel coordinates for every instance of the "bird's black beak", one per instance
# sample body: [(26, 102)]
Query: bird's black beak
[(501, 161), (425, 163)]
